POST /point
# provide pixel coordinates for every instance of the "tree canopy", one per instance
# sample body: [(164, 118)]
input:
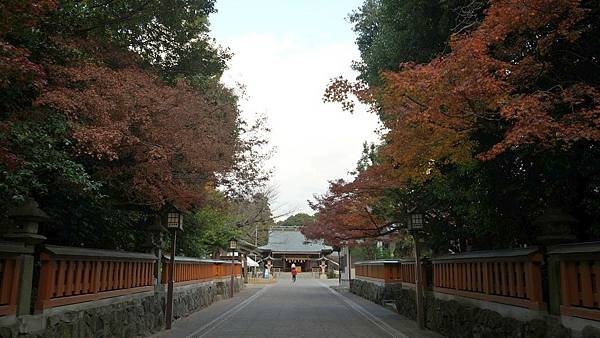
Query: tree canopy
[(297, 220), (111, 110), (484, 138)]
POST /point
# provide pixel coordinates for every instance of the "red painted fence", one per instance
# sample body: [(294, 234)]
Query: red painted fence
[(10, 271), (579, 279), (388, 271), (503, 276), (192, 270), (72, 275)]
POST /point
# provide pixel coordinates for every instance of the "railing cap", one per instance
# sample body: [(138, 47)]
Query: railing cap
[(68, 251), (489, 254), (200, 260), (378, 262), (574, 248), (14, 247)]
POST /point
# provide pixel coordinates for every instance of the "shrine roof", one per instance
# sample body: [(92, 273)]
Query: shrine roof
[(282, 239)]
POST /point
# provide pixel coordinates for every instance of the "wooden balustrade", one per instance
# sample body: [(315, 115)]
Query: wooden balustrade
[(408, 273), (577, 267), (504, 276), (386, 271), (10, 271), (72, 275), (192, 270)]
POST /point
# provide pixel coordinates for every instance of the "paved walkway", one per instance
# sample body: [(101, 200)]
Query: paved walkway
[(308, 308)]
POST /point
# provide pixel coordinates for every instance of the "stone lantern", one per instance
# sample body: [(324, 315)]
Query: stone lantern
[(26, 219)]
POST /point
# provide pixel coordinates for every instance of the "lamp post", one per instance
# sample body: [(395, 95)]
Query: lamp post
[(415, 224), (232, 247), (174, 222)]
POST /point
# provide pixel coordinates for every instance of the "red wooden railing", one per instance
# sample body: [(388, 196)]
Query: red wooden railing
[(192, 270), (387, 271), (73, 275), (408, 273), (10, 272), (579, 279), (504, 276), (9, 284), (370, 269)]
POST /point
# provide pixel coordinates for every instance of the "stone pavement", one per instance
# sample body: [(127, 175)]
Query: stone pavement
[(308, 308)]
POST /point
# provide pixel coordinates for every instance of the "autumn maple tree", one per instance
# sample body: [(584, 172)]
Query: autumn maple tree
[(503, 126), (115, 109)]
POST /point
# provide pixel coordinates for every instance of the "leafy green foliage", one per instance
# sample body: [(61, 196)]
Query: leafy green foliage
[(205, 231), (169, 35), (390, 32), (43, 162), (297, 220)]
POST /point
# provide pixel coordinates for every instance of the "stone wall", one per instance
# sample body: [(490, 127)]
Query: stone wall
[(453, 318), (375, 292), (136, 315)]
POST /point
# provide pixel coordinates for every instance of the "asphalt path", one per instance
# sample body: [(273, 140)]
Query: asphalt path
[(307, 308)]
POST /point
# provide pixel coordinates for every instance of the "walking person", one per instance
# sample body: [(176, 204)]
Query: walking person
[(294, 273)]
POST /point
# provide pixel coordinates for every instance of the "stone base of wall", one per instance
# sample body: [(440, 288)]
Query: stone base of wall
[(453, 318), (137, 315), (375, 292)]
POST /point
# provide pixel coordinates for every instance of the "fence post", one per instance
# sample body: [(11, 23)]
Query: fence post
[(25, 285), (554, 286), (26, 219)]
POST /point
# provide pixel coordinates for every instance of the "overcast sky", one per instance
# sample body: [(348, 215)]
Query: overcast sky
[(285, 53)]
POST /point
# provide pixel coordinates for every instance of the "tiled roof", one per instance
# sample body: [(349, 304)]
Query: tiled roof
[(293, 241)]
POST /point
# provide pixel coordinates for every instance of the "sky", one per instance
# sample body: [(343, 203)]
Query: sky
[(285, 52)]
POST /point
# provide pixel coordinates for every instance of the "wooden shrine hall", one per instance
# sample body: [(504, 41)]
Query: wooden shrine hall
[(287, 246)]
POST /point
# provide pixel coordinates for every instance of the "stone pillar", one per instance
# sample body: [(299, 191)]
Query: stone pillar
[(26, 219), (153, 245)]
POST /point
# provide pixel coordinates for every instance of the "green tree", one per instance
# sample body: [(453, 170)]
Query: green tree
[(297, 220), (390, 32), (208, 228), (531, 153), (63, 62)]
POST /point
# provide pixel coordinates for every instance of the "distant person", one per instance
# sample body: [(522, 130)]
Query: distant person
[(294, 273)]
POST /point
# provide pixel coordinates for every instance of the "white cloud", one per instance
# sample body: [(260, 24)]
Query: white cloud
[(315, 141)]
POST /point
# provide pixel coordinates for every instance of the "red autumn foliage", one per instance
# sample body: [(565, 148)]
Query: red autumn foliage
[(165, 142), (486, 77), (343, 213), (505, 73), (18, 14)]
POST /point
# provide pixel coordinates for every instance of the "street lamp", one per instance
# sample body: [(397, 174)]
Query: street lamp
[(415, 224), (232, 247), (174, 220)]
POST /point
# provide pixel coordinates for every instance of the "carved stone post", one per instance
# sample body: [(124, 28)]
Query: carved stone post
[(26, 219)]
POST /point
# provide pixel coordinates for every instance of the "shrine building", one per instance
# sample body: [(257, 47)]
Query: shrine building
[(288, 245)]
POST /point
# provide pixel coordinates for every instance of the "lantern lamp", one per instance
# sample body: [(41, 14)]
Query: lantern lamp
[(415, 221), (232, 244)]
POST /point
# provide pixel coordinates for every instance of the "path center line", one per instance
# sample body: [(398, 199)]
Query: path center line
[(213, 324), (376, 321)]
